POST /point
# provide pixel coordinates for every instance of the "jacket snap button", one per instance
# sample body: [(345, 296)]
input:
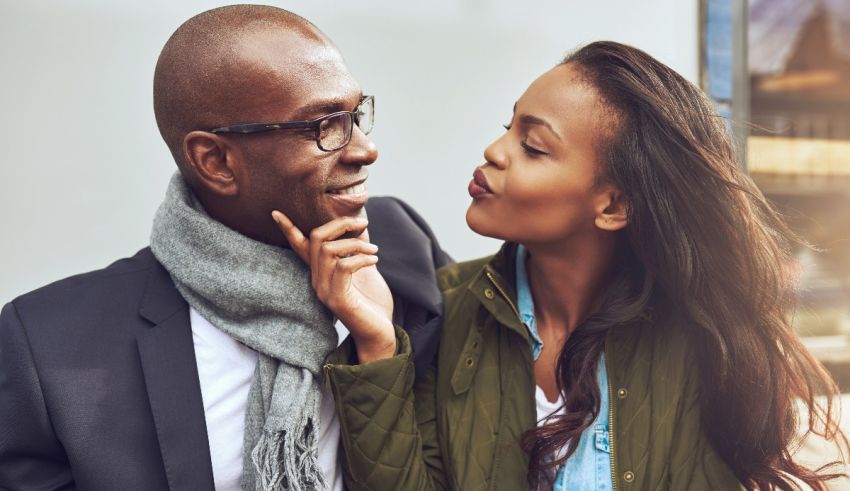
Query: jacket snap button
[(622, 393), (629, 476), (470, 362), (489, 293)]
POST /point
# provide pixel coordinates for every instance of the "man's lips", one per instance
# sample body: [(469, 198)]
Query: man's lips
[(353, 196), (354, 188), (478, 186)]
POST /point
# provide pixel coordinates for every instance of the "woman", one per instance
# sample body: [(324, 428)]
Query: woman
[(632, 333)]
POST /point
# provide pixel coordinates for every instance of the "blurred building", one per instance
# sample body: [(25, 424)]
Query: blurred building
[(799, 152), (780, 70)]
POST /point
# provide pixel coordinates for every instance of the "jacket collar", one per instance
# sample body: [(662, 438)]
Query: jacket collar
[(495, 287), (161, 299), (167, 355)]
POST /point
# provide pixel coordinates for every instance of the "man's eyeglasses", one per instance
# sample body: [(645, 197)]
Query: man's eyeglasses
[(333, 131)]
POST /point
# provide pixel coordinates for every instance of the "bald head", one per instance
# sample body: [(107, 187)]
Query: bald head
[(211, 70)]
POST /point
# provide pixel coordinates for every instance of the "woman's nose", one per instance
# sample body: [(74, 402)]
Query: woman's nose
[(495, 152)]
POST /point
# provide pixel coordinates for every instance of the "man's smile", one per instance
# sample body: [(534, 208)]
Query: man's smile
[(356, 188), (349, 197)]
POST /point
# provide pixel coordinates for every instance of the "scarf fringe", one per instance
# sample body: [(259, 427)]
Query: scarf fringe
[(287, 462)]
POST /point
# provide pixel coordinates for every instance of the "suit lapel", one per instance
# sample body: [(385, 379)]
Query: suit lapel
[(407, 263), (171, 377), (406, 255)]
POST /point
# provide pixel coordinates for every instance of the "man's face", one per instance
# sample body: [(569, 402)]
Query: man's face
[(293, 79)]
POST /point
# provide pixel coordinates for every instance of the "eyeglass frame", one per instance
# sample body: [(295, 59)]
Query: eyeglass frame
[(251, 128)]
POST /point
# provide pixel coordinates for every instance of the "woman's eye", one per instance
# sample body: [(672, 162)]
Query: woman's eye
[(507, 126), (531, 150)]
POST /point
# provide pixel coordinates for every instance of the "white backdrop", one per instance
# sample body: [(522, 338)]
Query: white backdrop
[(83, 167)]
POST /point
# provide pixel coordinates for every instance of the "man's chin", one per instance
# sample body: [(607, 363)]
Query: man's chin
[(333, 214), (361, 213)]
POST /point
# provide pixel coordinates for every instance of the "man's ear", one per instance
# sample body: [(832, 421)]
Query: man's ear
[(612, 211), (212, 160)]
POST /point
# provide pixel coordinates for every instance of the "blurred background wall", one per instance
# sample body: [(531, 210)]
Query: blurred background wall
[(83, 166)]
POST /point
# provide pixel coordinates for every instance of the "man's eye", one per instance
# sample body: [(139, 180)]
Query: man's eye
[(531, 150)]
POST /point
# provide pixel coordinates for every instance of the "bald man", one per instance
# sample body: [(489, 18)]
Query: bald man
[(196, 363)]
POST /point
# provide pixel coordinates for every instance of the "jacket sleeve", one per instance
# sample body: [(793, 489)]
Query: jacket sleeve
[(388, 426), (694, 464), (31, 457)]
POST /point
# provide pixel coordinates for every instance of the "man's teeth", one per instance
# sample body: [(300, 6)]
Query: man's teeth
[(356, 189)]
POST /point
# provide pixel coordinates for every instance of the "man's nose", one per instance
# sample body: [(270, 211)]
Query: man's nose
[(360, 150)]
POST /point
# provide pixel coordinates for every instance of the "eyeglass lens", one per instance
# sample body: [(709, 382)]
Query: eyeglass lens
[(335, 132)]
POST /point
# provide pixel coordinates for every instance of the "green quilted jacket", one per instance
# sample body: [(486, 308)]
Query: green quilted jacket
[(459, 426)]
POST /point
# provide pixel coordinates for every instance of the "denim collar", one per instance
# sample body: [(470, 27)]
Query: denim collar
[(525, 302)]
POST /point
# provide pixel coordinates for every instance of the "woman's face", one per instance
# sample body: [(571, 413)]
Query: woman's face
[(537, 184)]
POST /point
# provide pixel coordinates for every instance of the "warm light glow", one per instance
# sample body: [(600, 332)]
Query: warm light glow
[(799, 81), (798, 156)]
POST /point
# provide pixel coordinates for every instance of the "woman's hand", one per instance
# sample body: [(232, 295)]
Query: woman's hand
[(347, 282)]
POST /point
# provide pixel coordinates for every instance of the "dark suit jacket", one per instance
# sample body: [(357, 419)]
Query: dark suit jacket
[(98, 381)]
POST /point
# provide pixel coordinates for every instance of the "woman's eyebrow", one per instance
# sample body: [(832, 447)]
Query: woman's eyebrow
[(534, 120)]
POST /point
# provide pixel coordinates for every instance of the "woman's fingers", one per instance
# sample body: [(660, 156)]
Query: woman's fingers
[(309, 248), (322, 250), (333, 230), (321, 238), (334, 258), (347, 247), (341, 261), (299, 243), (341, 274), (326, 261), (353, 264), (347, 266)]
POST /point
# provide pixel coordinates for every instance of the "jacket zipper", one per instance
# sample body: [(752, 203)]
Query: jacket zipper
[(505, 295), (610, 390), (493, 484), (327, 367), (611, 429)]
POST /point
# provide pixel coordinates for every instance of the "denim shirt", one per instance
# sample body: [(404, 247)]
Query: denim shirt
[(589, 468)]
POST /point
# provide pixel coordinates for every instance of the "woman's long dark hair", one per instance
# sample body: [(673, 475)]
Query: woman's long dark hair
[(704, 242)]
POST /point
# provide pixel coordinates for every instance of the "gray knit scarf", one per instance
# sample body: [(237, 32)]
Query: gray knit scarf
[(260, 295)]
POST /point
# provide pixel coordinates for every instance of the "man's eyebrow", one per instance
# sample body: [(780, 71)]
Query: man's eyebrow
[(320, 108)]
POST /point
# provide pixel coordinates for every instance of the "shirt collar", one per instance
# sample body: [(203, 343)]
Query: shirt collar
[(525, 302)]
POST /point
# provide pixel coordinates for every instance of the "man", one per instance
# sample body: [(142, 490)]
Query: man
[(195, 364)]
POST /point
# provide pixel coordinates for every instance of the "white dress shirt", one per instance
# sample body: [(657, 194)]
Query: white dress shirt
[(226, 370)]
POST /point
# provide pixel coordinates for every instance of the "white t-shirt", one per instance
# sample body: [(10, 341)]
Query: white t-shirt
[(545, 408), (226, 369)]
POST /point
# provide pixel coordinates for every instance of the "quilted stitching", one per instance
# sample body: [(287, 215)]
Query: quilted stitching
[(656, 432)]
